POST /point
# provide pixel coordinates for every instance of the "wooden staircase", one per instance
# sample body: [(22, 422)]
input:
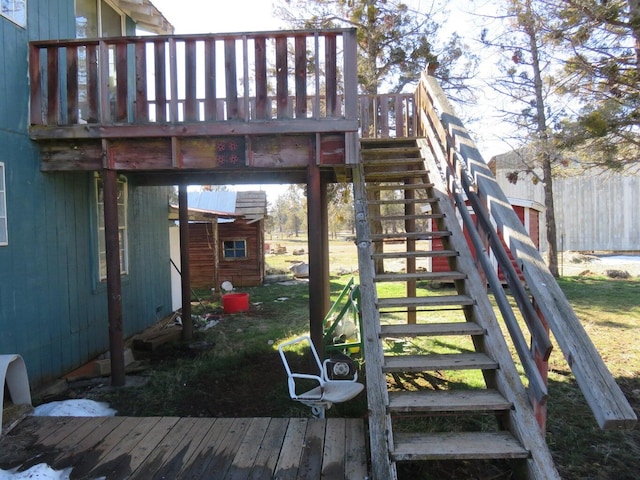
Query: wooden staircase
[(421, 328)]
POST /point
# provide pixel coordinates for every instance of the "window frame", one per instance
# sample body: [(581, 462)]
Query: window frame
[(235, 249), (11, 15), (123, 228), (3, 207)]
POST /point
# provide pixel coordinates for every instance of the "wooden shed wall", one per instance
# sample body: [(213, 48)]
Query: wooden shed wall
[(202, 254), (595, 211), (247, 272), (52, 309)]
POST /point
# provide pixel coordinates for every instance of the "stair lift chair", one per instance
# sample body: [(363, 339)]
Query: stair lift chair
[(326, 390)]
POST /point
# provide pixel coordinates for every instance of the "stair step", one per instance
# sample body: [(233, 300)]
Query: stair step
[(409, 235), (433, 301), (448, 401), (397, 186), (438, 361), (456, 446), (388, 141), (431, 329), (393, 176), (435, 276), (391, 162), (392, 151), (423, 216), (405, 201), (416, 254)]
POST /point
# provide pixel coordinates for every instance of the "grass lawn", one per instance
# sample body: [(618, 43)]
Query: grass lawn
[(242, 375)]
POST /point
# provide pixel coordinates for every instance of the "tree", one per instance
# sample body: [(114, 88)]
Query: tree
[(527, 84), (602, 76), (395, 41)]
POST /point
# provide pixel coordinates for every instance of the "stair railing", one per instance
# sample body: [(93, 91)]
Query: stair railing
[(464, 170)]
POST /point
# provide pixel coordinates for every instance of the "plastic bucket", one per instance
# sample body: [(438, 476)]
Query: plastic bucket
[(235, 302)]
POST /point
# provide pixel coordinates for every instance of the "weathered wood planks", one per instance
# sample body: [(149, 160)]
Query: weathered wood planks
[(171, 447)]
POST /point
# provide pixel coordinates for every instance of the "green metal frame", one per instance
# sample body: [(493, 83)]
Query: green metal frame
[(345, 308)]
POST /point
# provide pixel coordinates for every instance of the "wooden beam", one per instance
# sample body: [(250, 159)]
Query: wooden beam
[(183, 213), (114, 287), (317, 307)]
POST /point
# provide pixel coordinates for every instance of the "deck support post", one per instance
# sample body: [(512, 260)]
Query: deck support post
[(114, 285), (185, 278), (317, 221)]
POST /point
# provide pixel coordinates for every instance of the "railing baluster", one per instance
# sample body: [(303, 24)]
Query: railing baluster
[(261, 79), (301, 75), (331, 73), (35, 75), (173, 81), (191, 100), (141, 105), (122, 82), (53, 86), (72, 84), (210, 112), (159, 48), (231, 78), (282, 75)]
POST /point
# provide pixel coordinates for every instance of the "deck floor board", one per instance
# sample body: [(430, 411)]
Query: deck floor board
[(118, 448)]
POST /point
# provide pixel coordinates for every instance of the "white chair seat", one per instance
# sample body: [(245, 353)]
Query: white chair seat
[(328, 391), (13, 372), (334, 392)]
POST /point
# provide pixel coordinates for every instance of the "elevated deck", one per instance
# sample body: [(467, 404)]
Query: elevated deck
[(116, 448)]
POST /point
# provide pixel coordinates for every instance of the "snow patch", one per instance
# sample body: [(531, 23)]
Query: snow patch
[(74, 408)]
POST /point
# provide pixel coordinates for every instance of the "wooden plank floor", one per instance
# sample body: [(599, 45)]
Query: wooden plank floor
[(197, 448)]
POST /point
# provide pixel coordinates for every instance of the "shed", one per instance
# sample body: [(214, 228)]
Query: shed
[(226, 238)]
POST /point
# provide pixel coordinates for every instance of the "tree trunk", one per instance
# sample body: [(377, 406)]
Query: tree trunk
[(550, 217)]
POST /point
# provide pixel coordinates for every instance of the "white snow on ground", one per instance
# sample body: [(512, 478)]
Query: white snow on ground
[(64, 408), (74, 408), (41, 471)]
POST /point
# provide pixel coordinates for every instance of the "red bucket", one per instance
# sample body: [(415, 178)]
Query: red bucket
[(235, 302)]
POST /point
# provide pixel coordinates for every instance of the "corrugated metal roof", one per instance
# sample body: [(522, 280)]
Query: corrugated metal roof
[(223, 201)]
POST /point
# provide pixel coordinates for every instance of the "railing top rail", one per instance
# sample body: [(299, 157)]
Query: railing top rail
[(192, 36)]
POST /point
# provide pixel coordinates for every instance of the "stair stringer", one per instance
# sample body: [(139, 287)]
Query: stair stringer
[(522, 421), (380, 430)]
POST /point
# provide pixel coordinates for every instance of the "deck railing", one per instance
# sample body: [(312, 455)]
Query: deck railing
[(467, 175), (246, 77)]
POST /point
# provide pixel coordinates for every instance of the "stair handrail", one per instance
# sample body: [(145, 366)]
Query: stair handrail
[(437, 120)]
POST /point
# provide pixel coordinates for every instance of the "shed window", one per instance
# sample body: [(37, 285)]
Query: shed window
[(15, 10), (4, 234), (122, 227), (234, 249)]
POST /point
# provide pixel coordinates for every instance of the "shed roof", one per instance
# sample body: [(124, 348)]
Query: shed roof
[(250, 205)]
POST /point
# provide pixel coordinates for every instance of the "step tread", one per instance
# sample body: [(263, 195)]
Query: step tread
[(393, 175), (436, 276), (415, 254), (410, 235), (431, 301), (431, 329), (456, 446), (448, 401), (400, 201), (438, 361), (397, 186), (418, 216)]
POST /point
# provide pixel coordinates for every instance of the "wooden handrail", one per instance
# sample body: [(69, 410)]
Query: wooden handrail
[(437, 120), (194, 78)]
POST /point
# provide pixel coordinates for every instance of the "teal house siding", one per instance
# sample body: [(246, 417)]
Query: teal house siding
[(53, 308)]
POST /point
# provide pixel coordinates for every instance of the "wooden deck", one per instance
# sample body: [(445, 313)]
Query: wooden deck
[(179, 448)]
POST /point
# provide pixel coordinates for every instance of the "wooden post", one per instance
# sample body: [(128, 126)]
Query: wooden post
[(317, 293), (183, 215), (114, 286)]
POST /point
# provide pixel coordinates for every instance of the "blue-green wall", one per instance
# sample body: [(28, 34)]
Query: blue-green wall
[(52, 310)]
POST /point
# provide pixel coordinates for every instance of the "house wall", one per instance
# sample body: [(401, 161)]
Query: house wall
[(53, 311)]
